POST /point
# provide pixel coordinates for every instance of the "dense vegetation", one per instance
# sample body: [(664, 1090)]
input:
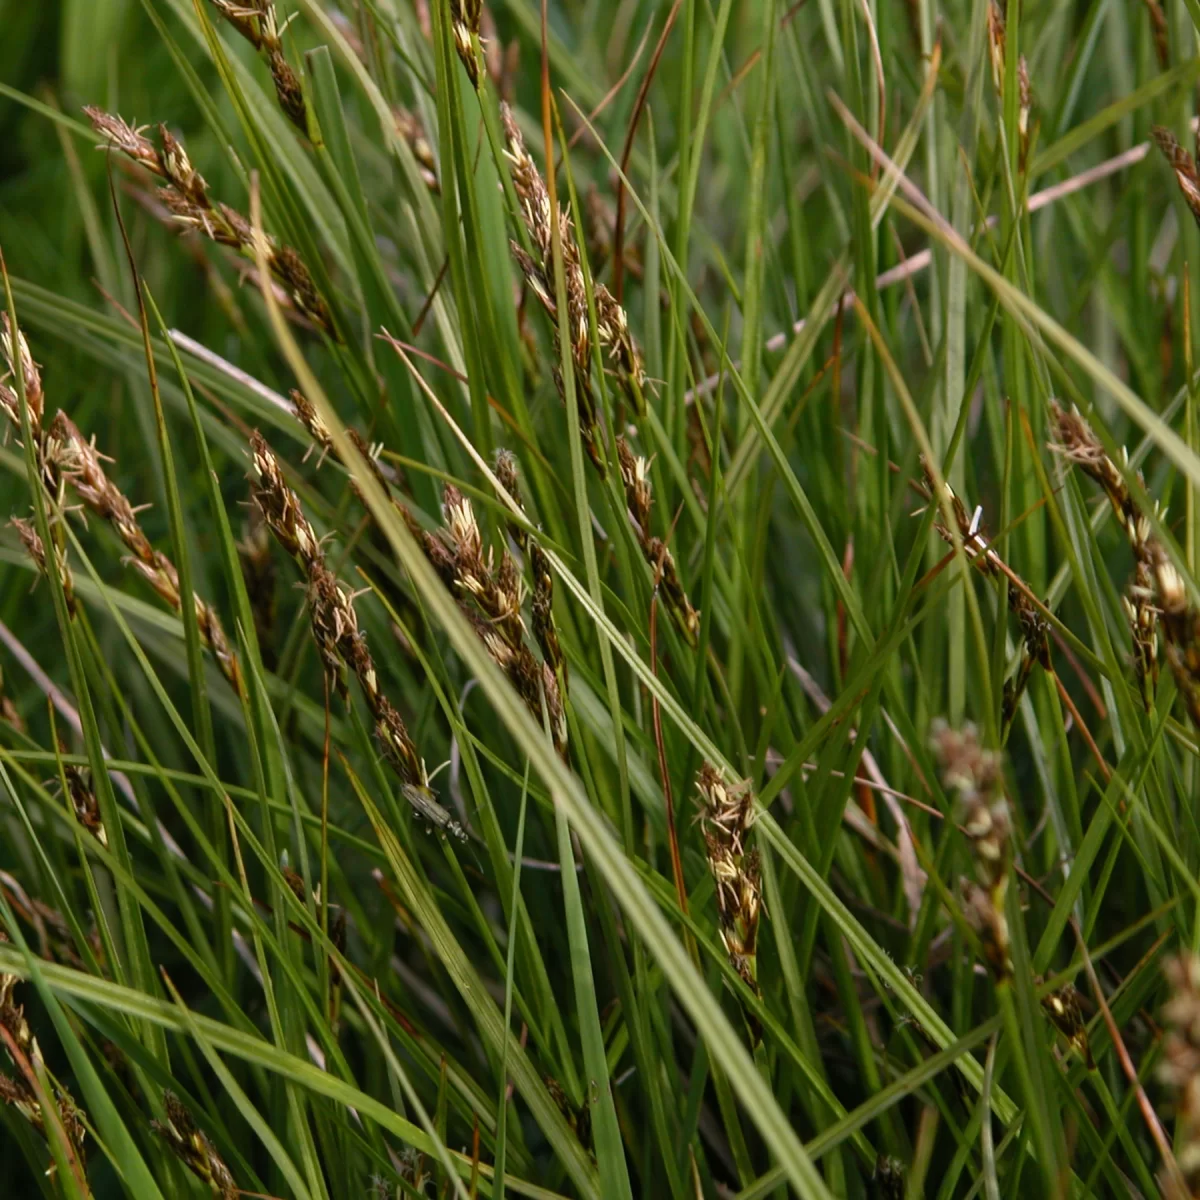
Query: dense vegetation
[(602, 599)]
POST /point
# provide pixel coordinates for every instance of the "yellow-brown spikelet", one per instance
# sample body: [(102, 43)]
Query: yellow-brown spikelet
[(18, 358), (84, 805), (336, 633), (193, 1148), (464, 27), (545, 630), (635, 476), (1076, 442), (612, 324), (1180, 1066), (79, 462), (1063, 1009), (726, 814), (185, 195), (1184, 166), (996, 44), (1024, 109), (256, 21), (975, 774)]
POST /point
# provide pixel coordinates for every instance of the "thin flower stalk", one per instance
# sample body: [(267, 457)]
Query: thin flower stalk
[(185, 195), (1076, 442), (340, 643), (79, 462), (193, 1148), (975, 775), (256, 21), (639, 498)]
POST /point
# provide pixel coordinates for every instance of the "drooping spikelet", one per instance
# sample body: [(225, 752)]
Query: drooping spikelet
[(255, 20), (185, 195), (336, 633), (726, 814), (79, 463), (975, 775), (1077, 443), (193, 1148), (635, 475)]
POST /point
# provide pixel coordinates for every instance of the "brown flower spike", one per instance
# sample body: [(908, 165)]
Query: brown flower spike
[(185, 194), (336, 633)]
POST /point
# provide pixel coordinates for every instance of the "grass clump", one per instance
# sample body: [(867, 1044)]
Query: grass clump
[(627, 790)]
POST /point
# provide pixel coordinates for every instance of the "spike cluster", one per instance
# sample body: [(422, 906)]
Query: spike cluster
[(340, 642), (1077, 443), (193, 1148), (726, 814), (1180, 1067), (492, 595), (1035, 630), (79, 462), (255, 20), (612, 324), (490, 592), (185, 194), (635, 475), (975, 775), (17, 1090)]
